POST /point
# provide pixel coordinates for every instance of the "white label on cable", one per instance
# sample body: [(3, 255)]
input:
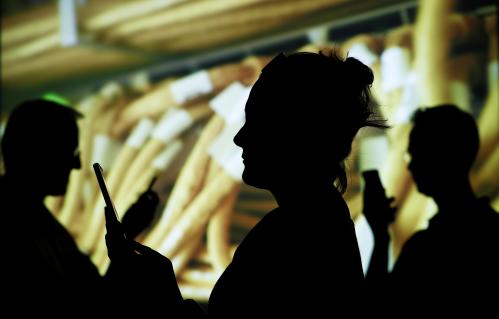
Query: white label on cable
[(361, 52), (226, 153), (104, 150), (191, 86), (100, 145), (237, 115), (172, 124), (235, 166), (395, 66), (140, 133), (222, 147), (410, 100), (164, 159), (373, 152), (225, 101)]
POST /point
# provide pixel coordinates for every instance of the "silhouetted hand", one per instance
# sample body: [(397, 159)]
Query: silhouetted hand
[(116, 240), (119, 245), (141, 277), (155, 272), (379, 212), (140, 215)]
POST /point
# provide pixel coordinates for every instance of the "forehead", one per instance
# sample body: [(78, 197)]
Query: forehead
[(64, 137), (269, 90)]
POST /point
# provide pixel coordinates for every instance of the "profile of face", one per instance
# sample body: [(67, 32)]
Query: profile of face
[(424, 165), (301, 116), (280, 143), (58, 164), (265, 152), (442, 147)]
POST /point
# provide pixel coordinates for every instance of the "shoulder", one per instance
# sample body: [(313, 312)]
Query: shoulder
[(261, 233), (269, 221), (419, 238), (417, 245)]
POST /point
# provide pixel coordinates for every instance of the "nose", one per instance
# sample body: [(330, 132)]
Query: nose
[(240, 136)]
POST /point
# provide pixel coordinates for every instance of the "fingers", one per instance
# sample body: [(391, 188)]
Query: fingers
[(141, 249), (145, 251), (149, 196)]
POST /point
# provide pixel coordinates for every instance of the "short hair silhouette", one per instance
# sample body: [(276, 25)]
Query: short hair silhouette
[(41, 138), (443, 145)]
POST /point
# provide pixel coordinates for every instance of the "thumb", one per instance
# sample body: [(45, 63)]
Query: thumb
[(144, 250)]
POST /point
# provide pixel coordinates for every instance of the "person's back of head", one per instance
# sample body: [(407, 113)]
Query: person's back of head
[(443, 145), (40, 145), (302, 115)]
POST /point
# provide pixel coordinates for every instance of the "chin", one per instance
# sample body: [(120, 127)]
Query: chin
[(254, 180), (57, 192), (424, 190)]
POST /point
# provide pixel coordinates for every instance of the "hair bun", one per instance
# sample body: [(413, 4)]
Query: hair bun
[(360, 72)]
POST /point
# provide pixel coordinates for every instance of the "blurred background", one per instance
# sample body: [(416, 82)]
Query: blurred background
[(162, 85)]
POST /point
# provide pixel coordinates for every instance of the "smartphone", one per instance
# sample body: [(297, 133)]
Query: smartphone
[(377, 206), (117, 236), (373, 182), (107, 199)]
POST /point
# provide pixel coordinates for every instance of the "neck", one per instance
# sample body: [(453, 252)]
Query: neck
[(25, 187), (301, 193)]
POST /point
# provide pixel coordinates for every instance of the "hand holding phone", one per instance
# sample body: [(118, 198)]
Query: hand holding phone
[(140, 215), (377, 207), (112, 218), (115, 238)]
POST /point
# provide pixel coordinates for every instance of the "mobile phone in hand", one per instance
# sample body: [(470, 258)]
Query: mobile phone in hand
[(373, 183), (377, 206), (113, 224)]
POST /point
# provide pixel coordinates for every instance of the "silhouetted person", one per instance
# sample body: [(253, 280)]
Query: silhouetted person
[(452, 266), (302, 258), (40, 148), (43, 267)]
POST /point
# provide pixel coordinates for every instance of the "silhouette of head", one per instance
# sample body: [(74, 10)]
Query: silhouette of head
[(301, 117), (443, 145), (40, 146)]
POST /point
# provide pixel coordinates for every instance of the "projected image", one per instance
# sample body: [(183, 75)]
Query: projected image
[(174, 135)]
